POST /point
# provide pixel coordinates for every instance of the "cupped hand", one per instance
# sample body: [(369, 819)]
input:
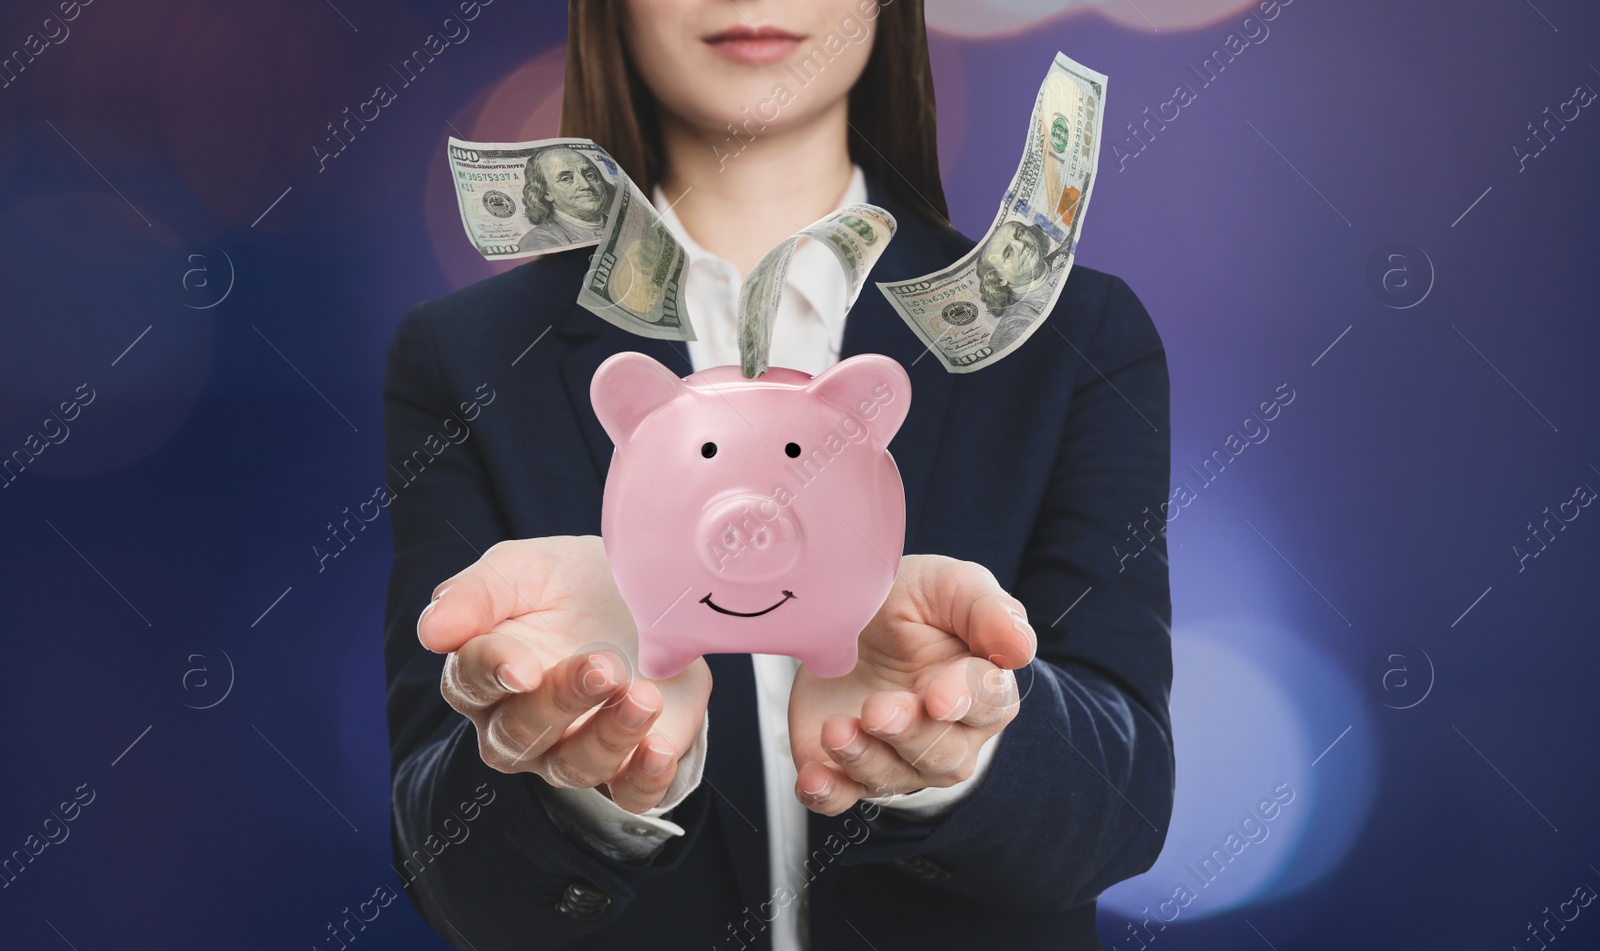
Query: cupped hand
[(933, 682), (541, 652)]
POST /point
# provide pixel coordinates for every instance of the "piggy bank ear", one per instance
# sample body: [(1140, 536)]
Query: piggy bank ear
[(628, 387), (872, 388)]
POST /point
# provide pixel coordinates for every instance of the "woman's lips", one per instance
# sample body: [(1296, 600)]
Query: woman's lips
[(760, 45)]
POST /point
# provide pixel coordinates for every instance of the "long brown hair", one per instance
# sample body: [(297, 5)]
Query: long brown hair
[(892, 116)]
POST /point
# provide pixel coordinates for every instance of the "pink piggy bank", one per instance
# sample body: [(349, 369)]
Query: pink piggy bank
[(759, 516)]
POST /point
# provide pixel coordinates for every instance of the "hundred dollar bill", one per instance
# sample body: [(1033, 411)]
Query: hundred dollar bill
[(519, 199), (856, 234), (981, 308), (635, 277)]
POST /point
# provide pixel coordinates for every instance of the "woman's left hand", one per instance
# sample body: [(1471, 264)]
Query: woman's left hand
[(933, 682)]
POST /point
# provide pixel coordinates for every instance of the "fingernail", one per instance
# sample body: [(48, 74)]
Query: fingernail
[(1021, 624), (631, 715), (595, 678), (423, 617), (853, 748), (895, 725), (655, 761), (821, 792), (958, 711), (442, 593), (508, 679)]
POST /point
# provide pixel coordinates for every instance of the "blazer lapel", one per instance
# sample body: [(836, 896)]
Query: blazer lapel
[(590, 341), (875, 327)]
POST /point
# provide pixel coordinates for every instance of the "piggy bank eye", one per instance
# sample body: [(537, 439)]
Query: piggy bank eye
[(793, 450), (708, 450)]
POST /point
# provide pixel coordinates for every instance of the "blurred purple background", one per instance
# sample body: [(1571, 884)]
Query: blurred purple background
[(1342, 213)]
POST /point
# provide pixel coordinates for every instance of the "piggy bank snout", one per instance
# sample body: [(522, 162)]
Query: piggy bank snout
[(748, 537)]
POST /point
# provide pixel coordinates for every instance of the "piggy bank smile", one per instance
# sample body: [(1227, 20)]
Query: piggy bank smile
[(766, 610), (745, 491)]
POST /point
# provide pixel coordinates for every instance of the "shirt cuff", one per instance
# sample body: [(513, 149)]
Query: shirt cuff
[(933, 803), (614, 831)]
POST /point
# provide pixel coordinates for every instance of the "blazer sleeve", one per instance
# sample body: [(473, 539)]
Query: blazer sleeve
[(1080, 791), (482, 859)]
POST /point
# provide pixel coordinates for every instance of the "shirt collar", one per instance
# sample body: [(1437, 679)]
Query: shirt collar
[(810, 272)]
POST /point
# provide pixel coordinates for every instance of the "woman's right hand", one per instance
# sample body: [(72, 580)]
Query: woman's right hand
[(541, 652)]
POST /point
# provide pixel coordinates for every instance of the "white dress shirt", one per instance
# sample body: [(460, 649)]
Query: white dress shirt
[(807, 335)]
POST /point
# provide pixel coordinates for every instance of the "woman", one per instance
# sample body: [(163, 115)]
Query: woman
[(929, 799)]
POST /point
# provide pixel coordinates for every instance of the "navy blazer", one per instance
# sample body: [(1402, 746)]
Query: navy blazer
[(1046, 468)]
